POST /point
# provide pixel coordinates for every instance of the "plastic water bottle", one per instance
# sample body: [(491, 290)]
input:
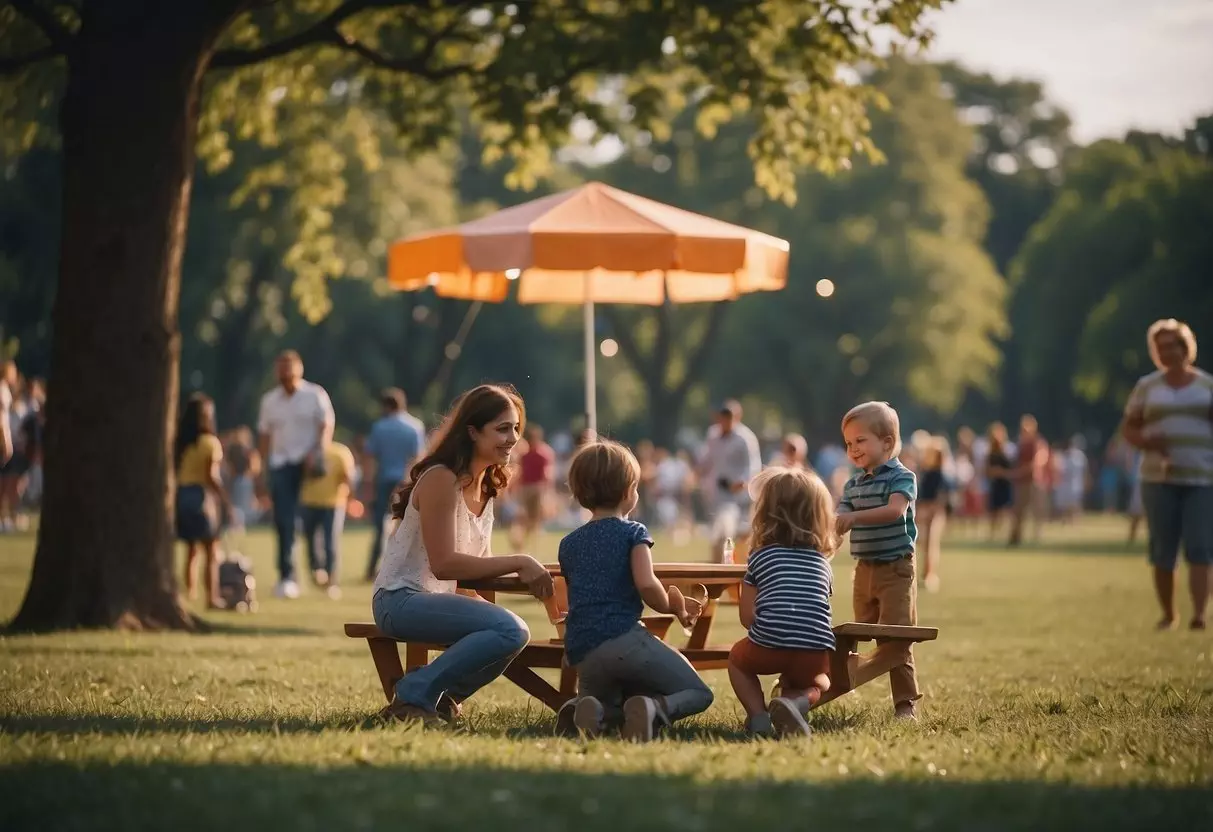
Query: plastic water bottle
[(726, 553)]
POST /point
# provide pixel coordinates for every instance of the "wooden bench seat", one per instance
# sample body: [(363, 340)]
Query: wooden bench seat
[(848, 668)]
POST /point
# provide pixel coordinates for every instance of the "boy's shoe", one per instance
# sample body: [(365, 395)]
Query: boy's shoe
[(759, 726), (588, 716), (640, 718), (286, 589), (906, 711), (787, 717)]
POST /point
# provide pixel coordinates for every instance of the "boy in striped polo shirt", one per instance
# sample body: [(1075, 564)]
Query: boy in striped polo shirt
[(877, 508)]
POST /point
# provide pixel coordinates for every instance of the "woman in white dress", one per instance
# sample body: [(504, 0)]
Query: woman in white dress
[(443, 524)]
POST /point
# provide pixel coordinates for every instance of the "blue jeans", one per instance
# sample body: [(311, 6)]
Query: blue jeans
[(484, 638), (1179, 514), (379, 513), (285, 483), (322, 523)]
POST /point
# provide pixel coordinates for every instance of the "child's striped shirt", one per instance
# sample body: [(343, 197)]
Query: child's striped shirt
[(888, 541), (792, 609)]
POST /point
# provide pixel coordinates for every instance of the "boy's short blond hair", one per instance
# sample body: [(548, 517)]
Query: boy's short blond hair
[(602, 474), (881, 419)]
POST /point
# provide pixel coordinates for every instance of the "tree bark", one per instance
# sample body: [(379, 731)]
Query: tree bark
[(105, 545)]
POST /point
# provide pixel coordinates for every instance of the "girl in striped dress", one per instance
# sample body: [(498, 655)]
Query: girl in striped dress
[(785, 602)]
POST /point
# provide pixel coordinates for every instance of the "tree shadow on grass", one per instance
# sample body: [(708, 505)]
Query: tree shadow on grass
[(474, 795)]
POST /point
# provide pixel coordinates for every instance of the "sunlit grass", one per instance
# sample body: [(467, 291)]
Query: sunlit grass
[(1050, 704)]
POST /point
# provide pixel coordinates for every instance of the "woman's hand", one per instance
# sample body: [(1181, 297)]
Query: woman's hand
[(1154, 443), (536, 577)]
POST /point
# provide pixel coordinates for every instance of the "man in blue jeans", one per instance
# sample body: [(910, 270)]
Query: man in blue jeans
[(395, 443), (295, 424)]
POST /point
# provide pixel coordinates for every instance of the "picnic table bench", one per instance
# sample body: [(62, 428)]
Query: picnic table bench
[(848, 668)]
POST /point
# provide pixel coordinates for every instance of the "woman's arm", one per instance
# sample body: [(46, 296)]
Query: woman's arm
[(435, 496), (214, 480), (1132, 428)]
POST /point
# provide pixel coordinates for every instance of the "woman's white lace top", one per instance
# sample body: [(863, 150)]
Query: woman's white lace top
[(405, 560)]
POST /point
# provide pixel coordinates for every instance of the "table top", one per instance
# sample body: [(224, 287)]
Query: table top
[(705, 573)]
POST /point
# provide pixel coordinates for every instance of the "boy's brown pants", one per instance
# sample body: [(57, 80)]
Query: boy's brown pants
[(886, 593)]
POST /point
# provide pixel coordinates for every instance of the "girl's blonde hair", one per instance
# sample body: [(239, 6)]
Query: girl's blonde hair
[(792, 508), (1170, 326)]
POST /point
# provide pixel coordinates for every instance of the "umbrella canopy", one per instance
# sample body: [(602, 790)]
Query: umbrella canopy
[(593, 243)]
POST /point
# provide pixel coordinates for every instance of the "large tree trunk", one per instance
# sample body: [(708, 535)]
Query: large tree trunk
[(129, 115)]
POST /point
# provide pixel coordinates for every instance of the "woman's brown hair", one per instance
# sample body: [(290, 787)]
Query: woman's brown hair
[(452, 445), (793, 508)]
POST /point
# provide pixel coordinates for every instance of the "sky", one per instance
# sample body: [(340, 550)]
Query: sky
[(1112, 64)]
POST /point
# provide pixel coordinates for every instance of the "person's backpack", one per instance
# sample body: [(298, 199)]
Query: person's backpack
[(237, 586)]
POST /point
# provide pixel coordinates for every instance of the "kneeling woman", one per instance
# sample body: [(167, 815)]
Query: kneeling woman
[(443, 524)]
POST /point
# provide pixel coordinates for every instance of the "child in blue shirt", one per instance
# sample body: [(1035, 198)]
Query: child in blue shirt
[(608, 566)]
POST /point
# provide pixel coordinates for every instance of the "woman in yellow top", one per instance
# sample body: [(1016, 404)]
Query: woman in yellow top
[(200, 494), (322, 500)]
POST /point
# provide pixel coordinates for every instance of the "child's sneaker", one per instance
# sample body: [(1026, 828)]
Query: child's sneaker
[(759, 726), (640, 716), (588, 716), (906, 711), (787, 717)]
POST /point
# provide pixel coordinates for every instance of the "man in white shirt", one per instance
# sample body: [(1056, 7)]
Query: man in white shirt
[(295, 425), (731, 458)]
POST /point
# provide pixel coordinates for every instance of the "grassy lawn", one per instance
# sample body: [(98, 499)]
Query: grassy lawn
[(1050, 704)]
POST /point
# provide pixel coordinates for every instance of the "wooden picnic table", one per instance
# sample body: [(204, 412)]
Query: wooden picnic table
[(848, 669), (715, 577)]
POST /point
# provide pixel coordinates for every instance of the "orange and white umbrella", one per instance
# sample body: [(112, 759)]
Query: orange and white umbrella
[(592, 244)]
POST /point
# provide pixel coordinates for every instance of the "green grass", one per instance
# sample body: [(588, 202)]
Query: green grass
[(1050, 704)]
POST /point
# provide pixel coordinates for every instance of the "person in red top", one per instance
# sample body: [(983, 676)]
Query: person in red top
[(536, 482)]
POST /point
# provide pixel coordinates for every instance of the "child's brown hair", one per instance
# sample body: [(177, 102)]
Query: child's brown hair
[(793, 508), (603, 474)]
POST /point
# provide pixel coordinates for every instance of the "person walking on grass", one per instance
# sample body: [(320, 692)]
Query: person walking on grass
[(934, 493), (201, 498), (731, 458), (877, 508), (323, 501), (443, 517), (1169, 416), (608, 564), (396, 441), (785, 602), (295, 424)]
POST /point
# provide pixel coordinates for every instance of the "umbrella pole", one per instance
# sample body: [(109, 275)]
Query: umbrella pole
[(591, 382)]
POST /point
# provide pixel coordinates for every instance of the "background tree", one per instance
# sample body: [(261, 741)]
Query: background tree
[(132, 79)]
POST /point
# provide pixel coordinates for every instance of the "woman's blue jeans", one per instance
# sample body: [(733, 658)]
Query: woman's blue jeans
[(484, 638)]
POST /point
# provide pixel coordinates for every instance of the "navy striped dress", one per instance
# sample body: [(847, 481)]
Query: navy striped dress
[(792, 608)]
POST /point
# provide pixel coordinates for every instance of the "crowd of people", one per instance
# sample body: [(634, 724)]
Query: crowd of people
[(433, 501)]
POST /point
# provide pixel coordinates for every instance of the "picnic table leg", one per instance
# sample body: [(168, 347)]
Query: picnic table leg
[(386, 656), (535, 685), (699, 633), (842, 664)]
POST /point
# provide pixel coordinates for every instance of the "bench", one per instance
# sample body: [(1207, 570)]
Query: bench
[(848, 668)]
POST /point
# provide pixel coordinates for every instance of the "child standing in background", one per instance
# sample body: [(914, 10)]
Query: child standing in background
[(785, 602), (877, 508), (608, 564)]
